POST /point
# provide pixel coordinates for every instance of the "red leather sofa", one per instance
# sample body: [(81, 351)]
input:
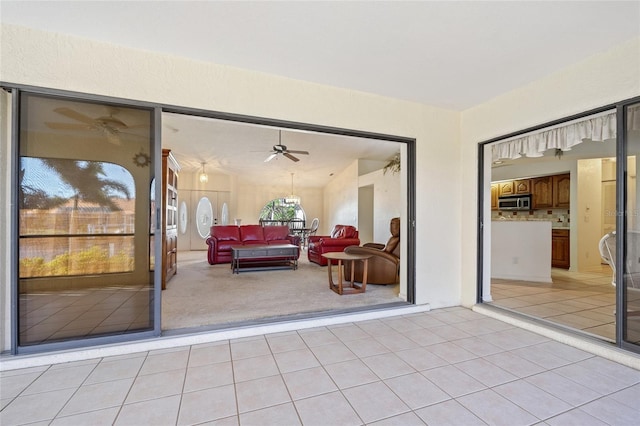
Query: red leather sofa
[(222, 237), (341, 237)]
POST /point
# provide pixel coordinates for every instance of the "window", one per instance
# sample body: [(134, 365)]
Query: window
[(76, 218)]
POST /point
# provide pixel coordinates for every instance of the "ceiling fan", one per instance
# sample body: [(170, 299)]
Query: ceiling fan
[(280, 149), (109, 125)]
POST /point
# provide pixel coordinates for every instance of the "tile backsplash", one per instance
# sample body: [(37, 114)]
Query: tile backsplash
[(555, 215)]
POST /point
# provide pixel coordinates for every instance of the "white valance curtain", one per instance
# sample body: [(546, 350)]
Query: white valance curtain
[(598, 127)]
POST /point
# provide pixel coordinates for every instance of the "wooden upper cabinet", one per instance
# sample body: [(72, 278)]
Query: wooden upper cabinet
[(542, 191), (522, 186), (494, 196), (506, 188), (561, 190)]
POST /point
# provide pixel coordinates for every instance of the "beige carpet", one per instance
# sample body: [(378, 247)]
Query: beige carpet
[(208, 295)]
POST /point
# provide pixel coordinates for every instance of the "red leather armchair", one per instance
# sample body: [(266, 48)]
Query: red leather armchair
[(342, 236)]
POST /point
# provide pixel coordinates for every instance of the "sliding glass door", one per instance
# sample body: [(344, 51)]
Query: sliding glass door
[(84, 179), (629, 298)]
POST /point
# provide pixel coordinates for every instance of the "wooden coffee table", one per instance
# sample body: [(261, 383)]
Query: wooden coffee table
[(351, 287), (258, 257)]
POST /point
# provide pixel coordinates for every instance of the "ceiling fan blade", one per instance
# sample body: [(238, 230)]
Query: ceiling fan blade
[(271, 157), (290, 157), (291, 151), (113, 138), (68, 112), (68, 126)]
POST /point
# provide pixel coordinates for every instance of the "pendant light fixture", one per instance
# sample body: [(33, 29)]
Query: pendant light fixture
[(291, 198), (204, 178)]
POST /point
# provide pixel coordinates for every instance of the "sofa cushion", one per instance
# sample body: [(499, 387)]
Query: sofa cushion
[(276, 233), (225, 233), (251, 234)]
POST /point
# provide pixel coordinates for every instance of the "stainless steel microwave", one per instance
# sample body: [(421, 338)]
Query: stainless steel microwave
[(515, 202)]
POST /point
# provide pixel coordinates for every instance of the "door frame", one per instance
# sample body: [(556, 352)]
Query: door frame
[(156, 155), (621, 188)]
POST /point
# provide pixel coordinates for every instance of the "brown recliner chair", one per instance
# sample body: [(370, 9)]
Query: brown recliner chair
[(384, 263)]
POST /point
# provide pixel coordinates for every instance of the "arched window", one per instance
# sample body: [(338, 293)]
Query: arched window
[(280, 212)]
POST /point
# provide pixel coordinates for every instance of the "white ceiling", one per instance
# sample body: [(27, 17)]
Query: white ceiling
[(450, 54)]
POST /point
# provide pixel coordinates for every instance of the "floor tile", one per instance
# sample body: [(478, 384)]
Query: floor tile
[(59, 378), (12, 386), (37, 407), (327, 409), (318, 337), (254, 368), (611, 412), (261, 393), (452, 352), (575, 417), (161, 362), (98, 396), (485, 372), (309, 382), (104, 417), (421, 359), (209, 354), (278, 415), (115, 370), (396, 342), (351, 373), (208, 376), (285, 342), (241, 349), (453, 381), (157, 412), (514, 364), (494, 409), (375, 401), (449, 413), (156, 386), (207, 405), (295, 360), (628, 397), (541, 404), (366, 347), (349, 332), (332, 353), (591, 379), (563, 388), (388, 365), (416, 391), (406, 419), (478, 346)]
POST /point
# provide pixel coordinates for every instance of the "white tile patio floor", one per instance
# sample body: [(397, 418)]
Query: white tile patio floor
[(448, 366)]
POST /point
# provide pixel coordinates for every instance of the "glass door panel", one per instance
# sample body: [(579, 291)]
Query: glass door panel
[(631, 282), (84, 175)]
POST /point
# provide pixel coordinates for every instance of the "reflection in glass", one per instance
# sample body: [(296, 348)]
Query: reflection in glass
[(83, 237), (632, 258)]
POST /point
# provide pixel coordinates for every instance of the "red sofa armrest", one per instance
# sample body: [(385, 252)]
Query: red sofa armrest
[(339, 242)]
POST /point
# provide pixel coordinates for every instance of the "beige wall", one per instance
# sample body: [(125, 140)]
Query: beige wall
[(57, 61), (600, 80)]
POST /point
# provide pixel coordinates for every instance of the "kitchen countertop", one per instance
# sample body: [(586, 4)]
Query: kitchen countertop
[(554, 224)]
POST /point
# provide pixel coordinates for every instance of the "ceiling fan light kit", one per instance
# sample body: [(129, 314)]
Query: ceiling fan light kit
[(280, 149)]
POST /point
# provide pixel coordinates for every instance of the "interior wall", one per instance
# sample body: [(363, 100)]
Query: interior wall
[(602, 79), (365, 213), (341, 200), (588, 213), (386, 202)]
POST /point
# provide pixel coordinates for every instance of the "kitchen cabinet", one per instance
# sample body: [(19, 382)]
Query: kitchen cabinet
[(170, 169), (560, 253), (522, 186), (494, 196), (561, 190), (542, 192), (506, 188)]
